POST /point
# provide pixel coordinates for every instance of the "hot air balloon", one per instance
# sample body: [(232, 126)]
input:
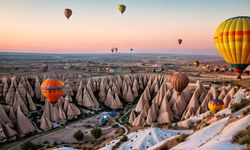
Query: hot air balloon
[(52, 89), (116, 49), (179, 41), (232, 39), (44, 67), (122, 8), (131, 49), (179, 81), (196, 63), (215, 105), (112, 50), (67, 13)]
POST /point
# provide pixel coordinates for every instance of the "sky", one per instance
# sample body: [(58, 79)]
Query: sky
[(151, 26)]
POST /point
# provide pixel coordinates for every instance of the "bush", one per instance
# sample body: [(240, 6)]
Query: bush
[(115, 126), (182, 137), (78, 135), (242, 137), (29, 146), (96, 132), (237, 106), (124, 138), (247, 111), (164, 148)]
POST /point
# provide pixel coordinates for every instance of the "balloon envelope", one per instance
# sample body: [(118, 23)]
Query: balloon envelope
[(179, 41), (179, 81), (232, 40), (52, 89), (122, 8), (196, 63), (215, 105), (67, 13), (44, 67)]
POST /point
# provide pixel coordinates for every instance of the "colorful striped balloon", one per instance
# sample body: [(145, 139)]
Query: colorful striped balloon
[(232, 39), (52, 89), (215, 105), (179, 81)]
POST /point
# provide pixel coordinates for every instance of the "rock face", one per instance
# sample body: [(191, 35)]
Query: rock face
[(22, 112)]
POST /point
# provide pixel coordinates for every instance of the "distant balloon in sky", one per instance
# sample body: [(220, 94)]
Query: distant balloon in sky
[(196, 63), (232, 39), (67, 13), (131, 49), (44, 67), (179, 41), (122, 8)]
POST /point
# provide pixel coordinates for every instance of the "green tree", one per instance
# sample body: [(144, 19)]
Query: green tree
[(78, 135), (96, 132)]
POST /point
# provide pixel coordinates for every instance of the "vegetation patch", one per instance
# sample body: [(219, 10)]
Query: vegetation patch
[(78, 135), (182, 138), (29, 146), (246, 112), (96, 132), (242, 137), (237, 106)]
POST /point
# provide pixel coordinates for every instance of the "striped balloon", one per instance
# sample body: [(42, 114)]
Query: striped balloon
[(52, 89), (215, 105), (232, 39), (179, 81)]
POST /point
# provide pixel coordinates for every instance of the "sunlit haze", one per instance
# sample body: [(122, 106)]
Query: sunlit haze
[(152, 26)]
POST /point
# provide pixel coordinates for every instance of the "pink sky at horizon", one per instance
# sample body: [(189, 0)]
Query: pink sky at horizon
[(95, 27)]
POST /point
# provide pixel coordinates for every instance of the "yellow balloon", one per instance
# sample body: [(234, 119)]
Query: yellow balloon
[(232, 39), (122, 8), (215, 105)]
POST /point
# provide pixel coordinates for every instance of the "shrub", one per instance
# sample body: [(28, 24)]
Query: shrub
[(124, 138), (182, 137), (78, 135), (164, 148), (29, 146), (115, 126), (237, 106), (247, 111), (96, 132), (242, 137)]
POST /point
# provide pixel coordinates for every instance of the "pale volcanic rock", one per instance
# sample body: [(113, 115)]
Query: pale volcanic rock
[(4, 117), (132, 116), (135, 88), (129, 95), (24, 125), (67, 88), (30, 104), (102, 91), (9, 132), (87, 100), (192, 106), (18, 101), (46, 124), (179, 106), (11, 93), (142, 103), (2, 135), (37, 89), (140, 119), (160, 95), (12, 115), (173, 98), (212, 94), (165, 114), (222, 94), (152, 114), (79, 96), (5, 86)]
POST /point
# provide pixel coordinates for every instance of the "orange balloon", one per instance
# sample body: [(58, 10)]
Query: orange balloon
[(52, 89)]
